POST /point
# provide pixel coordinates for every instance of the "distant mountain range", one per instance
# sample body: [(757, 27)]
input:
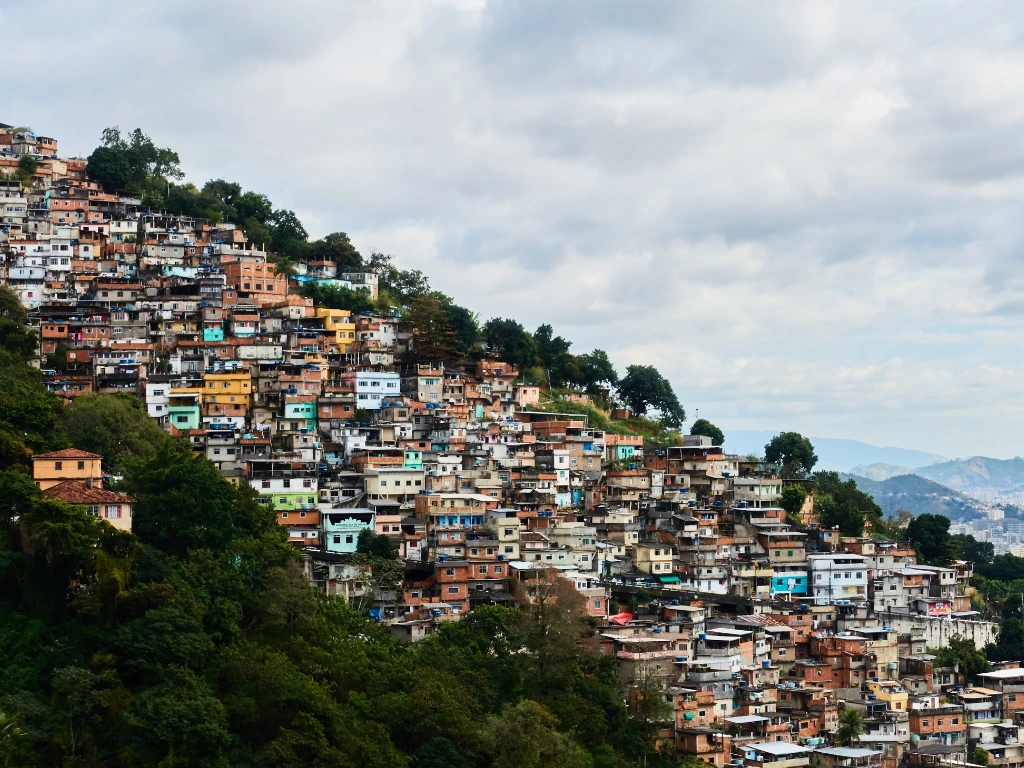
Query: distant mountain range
[(881, 471), (960, 474), (918, 495), (977, 472), (833, 453)]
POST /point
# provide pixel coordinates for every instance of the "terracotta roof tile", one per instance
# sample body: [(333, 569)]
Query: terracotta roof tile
[(77, 492), (68, 453)]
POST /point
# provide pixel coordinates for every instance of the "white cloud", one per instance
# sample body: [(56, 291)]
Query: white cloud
[(807, 214)]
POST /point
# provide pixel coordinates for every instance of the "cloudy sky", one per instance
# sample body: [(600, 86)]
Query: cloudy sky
[(807, 215)]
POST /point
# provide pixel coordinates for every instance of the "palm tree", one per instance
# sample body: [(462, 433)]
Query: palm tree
[(851, 725)]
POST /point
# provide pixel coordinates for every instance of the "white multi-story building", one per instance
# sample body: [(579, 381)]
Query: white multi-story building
[(838, 577), (372, 388)]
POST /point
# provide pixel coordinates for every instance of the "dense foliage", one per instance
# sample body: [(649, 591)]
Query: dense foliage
[(841, 504), (791, 451), (197, 641), (707, 429)]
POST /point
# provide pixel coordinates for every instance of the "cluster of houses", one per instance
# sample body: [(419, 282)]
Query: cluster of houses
[(757, 626)]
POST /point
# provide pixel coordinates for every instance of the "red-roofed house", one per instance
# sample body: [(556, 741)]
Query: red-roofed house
[(115, 508)]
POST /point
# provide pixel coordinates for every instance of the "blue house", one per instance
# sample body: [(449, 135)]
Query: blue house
[(341, 528)]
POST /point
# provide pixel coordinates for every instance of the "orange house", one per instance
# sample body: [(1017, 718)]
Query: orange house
[(50, 469)]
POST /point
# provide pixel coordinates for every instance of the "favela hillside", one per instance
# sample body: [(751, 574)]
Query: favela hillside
[(269, 500)]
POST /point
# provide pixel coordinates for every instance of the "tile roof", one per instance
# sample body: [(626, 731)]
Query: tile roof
[(77, 492), (68, 453)]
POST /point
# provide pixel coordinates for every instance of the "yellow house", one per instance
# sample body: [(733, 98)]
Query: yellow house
[(339, 321), (50, 469), (891, 692), (654, 558), (227, 387)]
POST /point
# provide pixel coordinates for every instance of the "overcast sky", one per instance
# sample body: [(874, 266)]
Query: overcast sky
[(807, 215)]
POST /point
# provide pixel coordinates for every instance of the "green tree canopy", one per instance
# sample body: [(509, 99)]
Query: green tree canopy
[(930, 536), (30, 416), (512, 343), (377, 545), (981, 553), (116, 426), (597, 370), (644, 388), (839, 514), (338, 248), (433, 336), (707, 429), (110, 168), (851, 725), (793, 498), (793, 452), (961, 651)]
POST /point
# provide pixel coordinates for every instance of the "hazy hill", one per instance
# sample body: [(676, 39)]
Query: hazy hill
[(977, 472), (918, 495), (833, 453), (881, 471)]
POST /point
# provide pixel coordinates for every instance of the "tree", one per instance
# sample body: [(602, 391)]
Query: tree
[(181, 501), (288, 236), (338, 248), (339, 297), (597, 371), (376, 545), (979, 756), (961, 651), (30, 415), (981, 553), (511, 342), (116, 426), (76, 695), (525, 735), (793, 498), (851, 725), (1006, 567), (845, 516), (793, 452), (707, 429), (432, 332), (643, 388), (464, 324), (10, 734), (17, 494), (252, 206), (15, 337), (109, 167), (1010, 645), (930, 536)]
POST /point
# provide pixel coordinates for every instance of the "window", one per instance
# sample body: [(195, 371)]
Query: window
[(284, 514), (113, 511), (497, 569), (453, 590), (789, 553), (81, 465), (860, 574), (449, 571), (483, 569), (778, 553), (924, 723), (284, 500), (58, 465)]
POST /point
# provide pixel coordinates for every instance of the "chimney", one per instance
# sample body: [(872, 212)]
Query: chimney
[(88, 482)]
